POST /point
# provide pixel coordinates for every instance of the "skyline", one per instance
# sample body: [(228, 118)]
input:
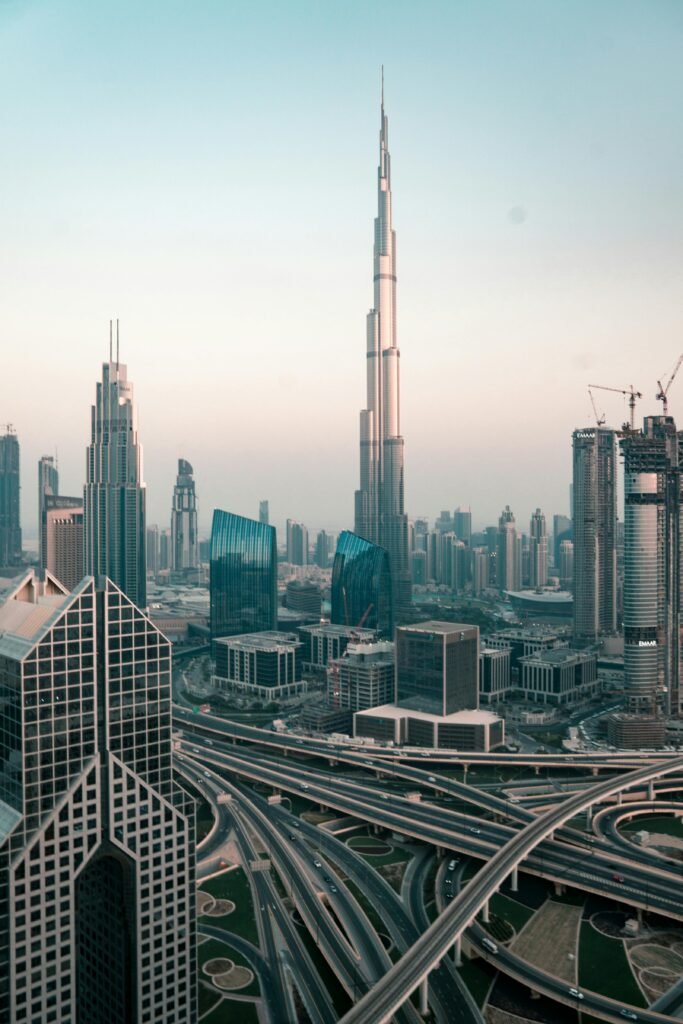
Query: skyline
[(218, 215)]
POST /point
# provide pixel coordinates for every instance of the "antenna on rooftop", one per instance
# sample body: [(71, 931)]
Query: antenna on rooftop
[(110, 339), (117, 343)]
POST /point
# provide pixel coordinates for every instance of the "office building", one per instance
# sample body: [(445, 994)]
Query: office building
[(323, 546), (437, 667), (464, 730), (297, 543), (594, 533), (184, 540), (263, 512), (523, 641), (562, 530), (480, 569), (495, 680), (153, 550), (165, 549), (264, 666), (462, 524), (48, 486), (635, 732), (61, 535), (361, 585), (114, 493), (379, 503), (652, 576), (363, 678), (538, 551), (326, 641), (559, 677), (243, 575), (10, 520), (508, 553), (97, 887), (304, 596)]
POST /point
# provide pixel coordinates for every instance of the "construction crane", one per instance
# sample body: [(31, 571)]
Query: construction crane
[(632, 395), (598, 419), (663, 392)]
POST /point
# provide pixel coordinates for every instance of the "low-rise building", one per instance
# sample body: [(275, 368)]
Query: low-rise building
[(265, 666), (363, 677), (325, 641), (525, 640), (495, 681), (462, 730), (633, 732), (559, 677)]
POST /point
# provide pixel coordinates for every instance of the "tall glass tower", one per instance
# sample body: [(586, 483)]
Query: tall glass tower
[(184, 519), (379, 506), (97, 888), (114, 493), (243, 575), (10, 521), (48, 486), (361, 589)]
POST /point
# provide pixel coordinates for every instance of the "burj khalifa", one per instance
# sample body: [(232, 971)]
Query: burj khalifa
[(379, 512)]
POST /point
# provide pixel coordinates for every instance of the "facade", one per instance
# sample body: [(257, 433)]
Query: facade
[(363, 677), (48, 485), (652, 574), (437, 667), (97, 887), (595, 533), (465, 730), (559, 677), (635, 732), (114, 493), (379, 503), (184, 540), (266, 665), (361, 585), (538, 551), (62, 539), (508, 553), (523, 641), (563, 529), (297, 543), (10, 518), (566, 566), (243, 575), (495, 680), (304, 596), (327, 641), (480, 569)]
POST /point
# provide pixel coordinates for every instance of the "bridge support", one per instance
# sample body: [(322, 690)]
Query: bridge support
[(651, 790), (514, 879), (485, 913), (560, 888), (424, 997), (595, 770), (639, 915), (457, 952), (589, 818), (537, 769)]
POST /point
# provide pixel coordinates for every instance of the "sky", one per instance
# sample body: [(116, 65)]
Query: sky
[(206, 173)]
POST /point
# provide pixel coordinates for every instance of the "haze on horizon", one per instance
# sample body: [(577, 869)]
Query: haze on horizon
[(207, 174)]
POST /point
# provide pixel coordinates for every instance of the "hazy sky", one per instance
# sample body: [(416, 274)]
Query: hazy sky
[(206, 172)]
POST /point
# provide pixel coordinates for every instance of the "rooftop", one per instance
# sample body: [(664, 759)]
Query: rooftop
[(457, 718), (436, 626), (28, 606), (267, 640)]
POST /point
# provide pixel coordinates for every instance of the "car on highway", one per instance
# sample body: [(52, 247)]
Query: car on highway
[(304, 785), (618, 878), (333, 888), (292, 837), (629, 1014), (489, 944), (451, 864), (575, 993), (475, 831), (317, 864), (431, 779), (208, 774), (327, 878)]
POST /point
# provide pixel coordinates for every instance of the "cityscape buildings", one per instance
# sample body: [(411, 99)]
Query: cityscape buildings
[(61, 538), (538, 551), (594, 533), (361, 585), (265, 665), (297, 543), (363, 678), (10, 516), (48, 485), (114, 493), (437, 665), (242, 575), (263, 512), (508, 553), (184, 541), (97, 888), (379, 502)]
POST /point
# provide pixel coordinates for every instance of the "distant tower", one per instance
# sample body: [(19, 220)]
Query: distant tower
[(61, 535), (322, 550), (263, 513), (48, 484), (566, 566), (379, 506), (297, 543), (652, 567), (538, 551), (462, 524), (595, 532), (243, 575), (10, 521), (184, 519), (114, 494), (509, 553)]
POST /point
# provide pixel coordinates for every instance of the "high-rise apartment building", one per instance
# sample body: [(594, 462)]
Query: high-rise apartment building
[(243, 575), (114, 493), (379, 503), (184, 520), (61, 537), (297, 543), (361, 585), (538, 551), (437, 667), (652, 567), (595, 532), (48, 486), (509, 553), (10, 518), (97, 888), (322, 550), (462, 524), (153, 549)]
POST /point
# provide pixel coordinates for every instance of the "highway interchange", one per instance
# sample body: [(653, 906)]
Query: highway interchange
[(410, 797)]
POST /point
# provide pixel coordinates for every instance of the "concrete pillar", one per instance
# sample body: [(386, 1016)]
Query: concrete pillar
[(620, 797), (640, 915), (560, 888), (514, 879), (537, 769), (651, 790), (589, 818), (424, 997), (594, 770), (457, 952), (485, 913)]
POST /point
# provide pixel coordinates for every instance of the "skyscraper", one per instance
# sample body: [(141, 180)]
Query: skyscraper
[(297, 543), (437, 667), (114, 493), (361, 585), (263, 513), (61, 535), (243, 575), (462, 524), (97, 889), (322, 549), (184, 519), (10, 521), (379, 506), (509, 553), (538, 551), (595, 532), (48, 485), (652, 567)]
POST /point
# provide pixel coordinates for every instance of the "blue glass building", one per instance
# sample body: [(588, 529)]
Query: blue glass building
[(243, 575), (361, 585)]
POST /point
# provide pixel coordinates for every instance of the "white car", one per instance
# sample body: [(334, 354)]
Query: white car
[(575, 992)]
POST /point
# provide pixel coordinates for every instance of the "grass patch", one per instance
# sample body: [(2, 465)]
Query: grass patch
[(604, 967), (233, 885), (477, 976), (659, 823), (213, 948), (340, 999), (206, 999), (205, 820), (366, 906), (234, 1010), (510, 910)]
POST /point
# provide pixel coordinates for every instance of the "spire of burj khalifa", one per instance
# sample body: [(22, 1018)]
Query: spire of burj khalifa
[(379, 511)]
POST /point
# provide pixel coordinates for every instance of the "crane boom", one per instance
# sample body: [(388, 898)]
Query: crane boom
[(632, 396), (598, 419), (661, 395)]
